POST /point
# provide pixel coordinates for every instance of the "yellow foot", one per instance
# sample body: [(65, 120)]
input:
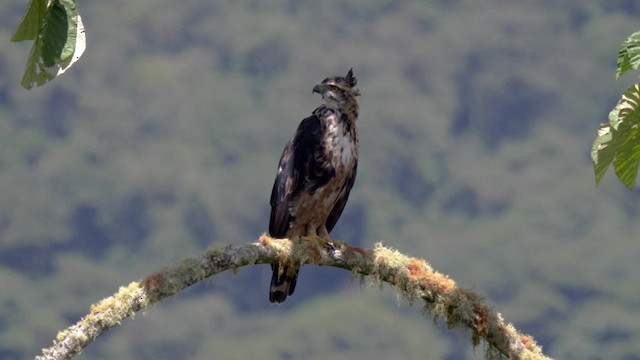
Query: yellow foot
[(317, 240), (324, 242)]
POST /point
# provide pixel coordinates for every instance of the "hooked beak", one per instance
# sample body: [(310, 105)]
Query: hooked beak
[(317, 89)]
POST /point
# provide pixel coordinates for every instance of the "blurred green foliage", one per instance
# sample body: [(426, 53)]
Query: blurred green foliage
[(164, 140)]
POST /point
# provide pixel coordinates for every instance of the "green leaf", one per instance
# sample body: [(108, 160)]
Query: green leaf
[(73, 49), (54, 34), (629, 55), (599, 154), (72, 29), (59, 39), (30, 23), (31, 71), (618, 141), (625, 164)]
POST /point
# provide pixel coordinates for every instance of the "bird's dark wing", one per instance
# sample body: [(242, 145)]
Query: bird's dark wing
[(302, 166), (335, 213), (286, 181)]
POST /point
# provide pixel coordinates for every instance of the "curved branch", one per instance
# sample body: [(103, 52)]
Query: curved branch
[(413, 277)]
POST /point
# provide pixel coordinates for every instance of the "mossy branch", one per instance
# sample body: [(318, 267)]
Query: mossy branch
[(414, 278)]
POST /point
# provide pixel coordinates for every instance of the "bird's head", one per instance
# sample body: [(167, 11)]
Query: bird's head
[(336, 91)]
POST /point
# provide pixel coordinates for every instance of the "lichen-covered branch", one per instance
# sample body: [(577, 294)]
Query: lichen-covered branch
[(414, 278)]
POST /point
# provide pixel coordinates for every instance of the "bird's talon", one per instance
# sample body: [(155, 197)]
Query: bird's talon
[(333, 250)]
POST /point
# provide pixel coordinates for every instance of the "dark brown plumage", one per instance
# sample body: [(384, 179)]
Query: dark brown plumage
[(316, 172)]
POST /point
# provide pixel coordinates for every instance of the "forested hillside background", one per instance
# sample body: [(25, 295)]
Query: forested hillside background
[(476, 123)]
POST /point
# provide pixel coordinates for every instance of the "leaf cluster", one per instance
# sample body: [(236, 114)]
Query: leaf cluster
[(618, 141)]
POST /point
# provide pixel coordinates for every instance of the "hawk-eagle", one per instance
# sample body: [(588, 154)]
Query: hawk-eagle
[(316, 172)]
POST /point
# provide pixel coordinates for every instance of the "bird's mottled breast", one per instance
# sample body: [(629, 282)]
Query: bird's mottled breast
[(341, 141)]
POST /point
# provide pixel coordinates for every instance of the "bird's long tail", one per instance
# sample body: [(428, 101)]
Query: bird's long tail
[(283, 282)]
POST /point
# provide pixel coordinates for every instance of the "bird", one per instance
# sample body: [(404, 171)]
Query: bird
[(315, 175)]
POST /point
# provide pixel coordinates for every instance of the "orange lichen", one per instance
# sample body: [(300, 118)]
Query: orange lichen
[(528, 342), (153, 283), (481, 318), (264, 240), (350, 250), (441, 283), (421, 272), (417, 268)]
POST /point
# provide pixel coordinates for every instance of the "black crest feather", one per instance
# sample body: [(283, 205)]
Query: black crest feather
[(351, 80)]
